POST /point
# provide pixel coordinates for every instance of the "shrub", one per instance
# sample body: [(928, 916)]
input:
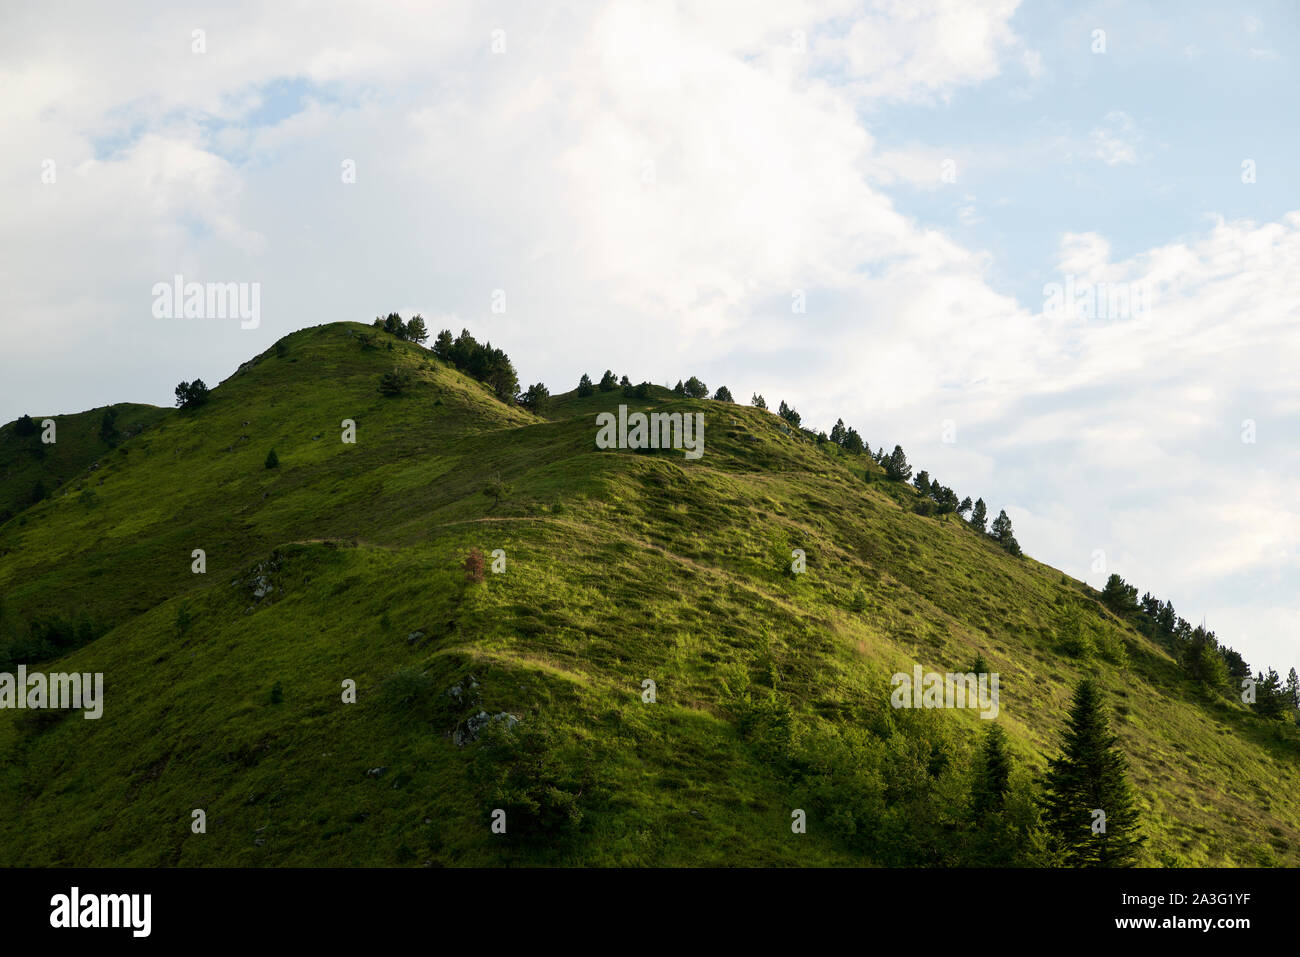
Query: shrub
[(474, 566), (394, 382), (272, 460)]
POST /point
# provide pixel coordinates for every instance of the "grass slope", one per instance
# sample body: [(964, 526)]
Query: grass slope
[(772, 691), (79, 443)]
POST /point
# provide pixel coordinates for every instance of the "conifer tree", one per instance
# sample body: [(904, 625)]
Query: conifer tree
[(1002, 533), (979, 516), (896, 466), (993, 774), (416, 330), (585, 388), (1090, 776), (838, 432)]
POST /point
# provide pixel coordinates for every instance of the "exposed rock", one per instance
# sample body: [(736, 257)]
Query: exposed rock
[(475, 725)]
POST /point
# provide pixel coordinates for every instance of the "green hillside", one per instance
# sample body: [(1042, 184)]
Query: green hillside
[(31, 469), (224, 690)]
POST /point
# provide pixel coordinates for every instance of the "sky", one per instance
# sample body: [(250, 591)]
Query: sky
[(1051, 249)]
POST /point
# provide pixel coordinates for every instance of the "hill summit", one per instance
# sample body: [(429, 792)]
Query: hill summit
[(356, 605)]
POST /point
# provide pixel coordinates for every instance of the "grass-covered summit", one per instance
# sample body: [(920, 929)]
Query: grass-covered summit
[(528, 691)]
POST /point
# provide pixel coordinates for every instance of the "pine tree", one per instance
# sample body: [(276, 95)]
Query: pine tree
[(992, 775), (723, 395), (272, 460), (536, 399), (393, 324), (964, 507), (608, 382), (838, 432), (853, 443), (979, 516), (758, 402), (1293, 688), (922, 482), (695, 389), (896, 466), (1002, 533), (1090, 776), (585, 388), (416, 330), (1119, 596)]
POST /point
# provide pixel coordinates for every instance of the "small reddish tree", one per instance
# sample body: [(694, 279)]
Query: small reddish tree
[(474, 565)]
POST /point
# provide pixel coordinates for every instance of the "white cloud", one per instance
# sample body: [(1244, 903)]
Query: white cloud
[(1114, 140), (650, 183)]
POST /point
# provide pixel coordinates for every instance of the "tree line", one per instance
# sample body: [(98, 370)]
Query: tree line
[(1200, 654)]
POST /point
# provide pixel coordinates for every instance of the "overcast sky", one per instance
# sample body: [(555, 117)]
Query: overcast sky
[(658, 188)]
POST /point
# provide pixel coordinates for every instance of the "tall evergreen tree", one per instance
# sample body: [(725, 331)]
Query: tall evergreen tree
[(1119, 596), (585, 388), (853, 443), (1090, 776), (837, 432), (896, 466), (922, 482), (979, 516), (757, 401), (992, 775), (1002, 533), (416, 330), (1293, 688), (608, 382), (723, 395)]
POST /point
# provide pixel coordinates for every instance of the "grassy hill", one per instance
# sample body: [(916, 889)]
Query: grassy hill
[(224, 690), (81, 440)]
